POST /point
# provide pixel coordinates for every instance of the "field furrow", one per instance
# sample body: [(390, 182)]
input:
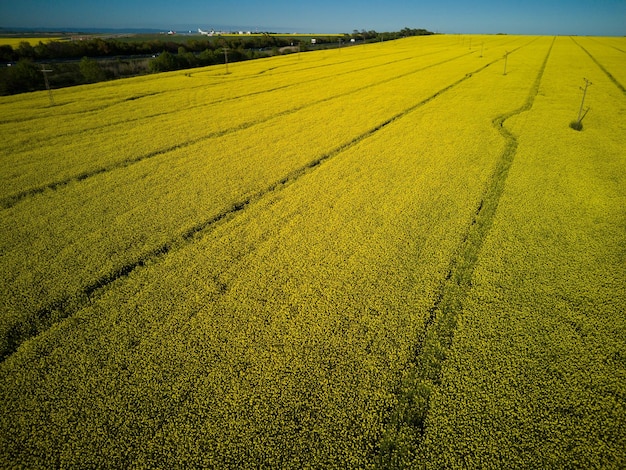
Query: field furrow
[(394, 255), (406, 425), (538, 353), (613, 58), (118, 219), (165, 121), (123, 148)]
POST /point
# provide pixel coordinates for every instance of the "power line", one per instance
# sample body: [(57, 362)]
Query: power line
[(506, 56), (45, 77), (226, 58)]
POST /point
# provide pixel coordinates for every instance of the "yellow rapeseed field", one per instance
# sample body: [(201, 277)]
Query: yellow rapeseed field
[(166, 179), (382, 256), (15, 42), (536, 376)]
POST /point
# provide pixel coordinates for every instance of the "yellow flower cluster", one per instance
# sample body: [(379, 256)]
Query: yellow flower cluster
[(236, 270)]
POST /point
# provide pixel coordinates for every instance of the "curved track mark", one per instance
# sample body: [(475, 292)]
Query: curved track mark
[(407, 422), (11, 200), (43, 319)]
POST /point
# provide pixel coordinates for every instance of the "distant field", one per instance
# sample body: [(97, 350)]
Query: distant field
[(386, 256), (15, 42), (184, 37)]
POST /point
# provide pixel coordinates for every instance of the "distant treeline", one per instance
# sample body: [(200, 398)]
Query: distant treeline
[(87, 61)]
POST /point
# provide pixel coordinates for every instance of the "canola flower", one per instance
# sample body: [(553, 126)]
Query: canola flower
[(535, 376), (33, 41), (256, 299), (64, 242)]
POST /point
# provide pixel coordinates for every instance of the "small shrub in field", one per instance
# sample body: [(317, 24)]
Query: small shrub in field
[(576, 125)]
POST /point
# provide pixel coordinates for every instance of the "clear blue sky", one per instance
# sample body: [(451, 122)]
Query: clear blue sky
[(595, 17)]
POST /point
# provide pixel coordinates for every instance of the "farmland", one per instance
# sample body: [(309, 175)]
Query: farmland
[(33, 41), (393, 255)]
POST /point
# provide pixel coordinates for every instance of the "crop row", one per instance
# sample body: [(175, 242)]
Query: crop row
[(606, 55), (166, 120), (60, 243), (123, 143), (536, 374), (208, 85), (404, 431), (614, 59), (279, 337)]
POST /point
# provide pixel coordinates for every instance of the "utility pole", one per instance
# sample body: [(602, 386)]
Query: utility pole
[(582, 103), (482, 48), (226, 58), (45, 78), (506, 56)]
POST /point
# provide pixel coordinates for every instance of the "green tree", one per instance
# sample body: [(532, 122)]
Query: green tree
[(6, 53), (207, 57), (24, 76), (25, 50), (91, 71), (163, 63)]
